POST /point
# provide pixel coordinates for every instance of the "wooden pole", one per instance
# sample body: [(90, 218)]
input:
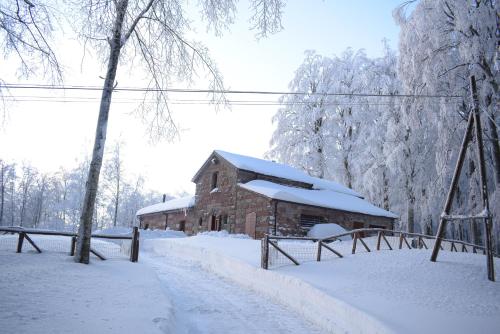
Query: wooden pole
[(20, 242), (73, 245), (354, 241), (484, 185), (275, 245), (264, 260), (32, 243), (318, 256), (453, 186), (379, 237), (134, 252)]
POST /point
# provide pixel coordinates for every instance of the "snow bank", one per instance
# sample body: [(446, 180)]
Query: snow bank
[(239, 260), (327, 230), (384, 291), (50, 293)]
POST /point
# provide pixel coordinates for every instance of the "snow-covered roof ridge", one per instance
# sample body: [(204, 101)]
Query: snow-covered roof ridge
[(325, 198), (272, 168), (173, 204)]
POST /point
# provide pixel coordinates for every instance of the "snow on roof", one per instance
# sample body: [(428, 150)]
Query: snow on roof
[(325, 198), (272, 168), (173, 204)]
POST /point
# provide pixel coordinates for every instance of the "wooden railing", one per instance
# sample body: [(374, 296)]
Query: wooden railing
[(24, 233), (358, 235)]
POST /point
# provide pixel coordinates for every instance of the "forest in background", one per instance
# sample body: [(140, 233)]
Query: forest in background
[(395, 131), (30, 198)]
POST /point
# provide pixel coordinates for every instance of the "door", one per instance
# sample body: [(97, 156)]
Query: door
[(182, 226), (250, 222), (213, 223)]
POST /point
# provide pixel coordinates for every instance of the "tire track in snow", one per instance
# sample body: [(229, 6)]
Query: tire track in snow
[(207, 303)]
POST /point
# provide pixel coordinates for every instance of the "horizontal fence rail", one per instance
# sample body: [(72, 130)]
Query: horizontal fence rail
[(280, 250), (120, 245)]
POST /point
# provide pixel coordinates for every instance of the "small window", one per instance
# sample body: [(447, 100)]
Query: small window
[(215, 176), (308, 221), (200, 221)]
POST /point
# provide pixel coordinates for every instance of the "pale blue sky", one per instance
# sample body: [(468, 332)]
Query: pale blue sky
[(53, 134)]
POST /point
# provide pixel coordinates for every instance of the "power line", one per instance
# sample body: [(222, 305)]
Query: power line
[(209, 91)]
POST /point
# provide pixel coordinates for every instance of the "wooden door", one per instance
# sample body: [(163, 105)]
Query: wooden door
[(250, 222), (182, 226), (213, 223)]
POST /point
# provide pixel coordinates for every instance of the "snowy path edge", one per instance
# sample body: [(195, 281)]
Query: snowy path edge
[(325, 311)]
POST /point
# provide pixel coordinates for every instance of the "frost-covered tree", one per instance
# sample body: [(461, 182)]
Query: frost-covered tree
[(26, 28), (302, 135), (441, 44)]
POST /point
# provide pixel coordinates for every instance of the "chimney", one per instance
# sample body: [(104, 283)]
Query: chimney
[(164, 198)]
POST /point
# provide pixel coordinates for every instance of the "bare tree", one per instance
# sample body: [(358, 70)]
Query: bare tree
[(26, 27), (113, 175), (154, 32)]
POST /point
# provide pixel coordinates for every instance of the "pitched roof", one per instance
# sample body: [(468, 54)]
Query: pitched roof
[(173, 204), (325, 198), (271, 168)]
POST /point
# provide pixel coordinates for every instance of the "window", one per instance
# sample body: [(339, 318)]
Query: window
[(200, 221), (308, 221), (182, 225), (215, 176)]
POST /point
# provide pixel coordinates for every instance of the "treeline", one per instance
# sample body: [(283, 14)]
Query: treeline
[(31, 198), (395, 131)]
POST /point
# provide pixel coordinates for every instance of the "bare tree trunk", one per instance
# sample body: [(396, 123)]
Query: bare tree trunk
[(495, 148), (82, 253), (385, 189), (2, 192), (411, 217), (117, 199)]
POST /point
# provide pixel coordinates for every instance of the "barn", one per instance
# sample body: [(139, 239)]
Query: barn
[(242, 194)]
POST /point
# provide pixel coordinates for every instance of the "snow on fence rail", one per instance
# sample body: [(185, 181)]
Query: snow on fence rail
[(119, 246), (279, 250)]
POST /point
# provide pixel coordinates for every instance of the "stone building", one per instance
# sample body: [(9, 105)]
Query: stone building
[(242, 194)]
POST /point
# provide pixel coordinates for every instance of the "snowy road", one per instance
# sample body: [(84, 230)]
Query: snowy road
[(206, 303)]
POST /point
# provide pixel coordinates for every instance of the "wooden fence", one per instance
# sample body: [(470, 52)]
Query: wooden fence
[(24, 234), (358, 236)]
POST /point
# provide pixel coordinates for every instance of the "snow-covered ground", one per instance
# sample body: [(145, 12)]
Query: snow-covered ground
[(212, 283), (387, 291), (50, 293)]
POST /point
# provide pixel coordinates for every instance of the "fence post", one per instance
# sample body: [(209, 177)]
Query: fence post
[(134, 252), (20, 242), (379, 237), (318, 256), (264, 260), (400, 240), (73, 246), (354, 241)]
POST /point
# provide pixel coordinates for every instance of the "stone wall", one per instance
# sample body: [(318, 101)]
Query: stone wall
[(249, 202), (219, 202), (172, 220), (288, 218)]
